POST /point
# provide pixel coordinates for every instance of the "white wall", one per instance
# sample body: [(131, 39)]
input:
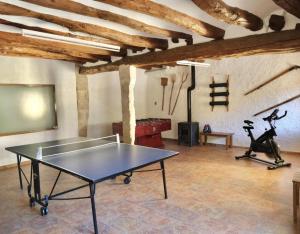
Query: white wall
[(105, 101), (245, 73), (104, 91), (38, 71)]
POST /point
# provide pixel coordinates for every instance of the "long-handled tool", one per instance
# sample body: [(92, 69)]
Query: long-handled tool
[(294, 67), (183, 80), (277, 105), (173, 79), (164, 83)]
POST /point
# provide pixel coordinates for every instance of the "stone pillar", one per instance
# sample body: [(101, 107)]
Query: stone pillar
[(127, 80), (82, 91)]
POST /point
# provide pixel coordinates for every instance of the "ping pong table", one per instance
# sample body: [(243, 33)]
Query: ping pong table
[(90, 160)]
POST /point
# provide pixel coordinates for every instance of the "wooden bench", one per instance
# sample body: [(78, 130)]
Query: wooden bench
[(296, 183), (227, 136)]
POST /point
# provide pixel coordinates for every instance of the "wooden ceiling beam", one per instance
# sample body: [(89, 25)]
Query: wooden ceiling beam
[(275, 42), (149, 67), (76, 26), (17, 39), (231, 15), (291, 6), (79, 56), (72, 35), (65, 34), (20, 51), (75, 7), (160, 11)]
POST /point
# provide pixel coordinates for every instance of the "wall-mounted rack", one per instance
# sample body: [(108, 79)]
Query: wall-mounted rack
[(214, 94)]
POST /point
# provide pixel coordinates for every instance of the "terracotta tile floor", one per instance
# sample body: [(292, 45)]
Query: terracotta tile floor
[(209, 192)]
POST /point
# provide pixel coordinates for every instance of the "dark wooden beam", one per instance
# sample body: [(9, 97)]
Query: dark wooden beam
[(160, 11), (275, 42), (71, 6), (291, 6), (76, 26), (276, 22), (149, 67), (229, 14)]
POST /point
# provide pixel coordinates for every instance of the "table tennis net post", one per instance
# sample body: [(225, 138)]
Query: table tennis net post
[(86, 144)]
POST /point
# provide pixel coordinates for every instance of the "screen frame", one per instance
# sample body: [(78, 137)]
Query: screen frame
[(55, 127)]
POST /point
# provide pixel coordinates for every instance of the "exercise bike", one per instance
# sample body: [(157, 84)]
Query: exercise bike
[(265, 143)]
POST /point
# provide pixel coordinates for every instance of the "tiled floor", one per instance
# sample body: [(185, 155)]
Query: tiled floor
[(209, 192)]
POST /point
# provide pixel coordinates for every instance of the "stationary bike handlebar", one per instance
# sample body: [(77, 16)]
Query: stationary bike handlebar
[(285, 113), (274, 116)]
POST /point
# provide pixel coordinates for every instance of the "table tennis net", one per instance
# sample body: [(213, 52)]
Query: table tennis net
[(82, 145)]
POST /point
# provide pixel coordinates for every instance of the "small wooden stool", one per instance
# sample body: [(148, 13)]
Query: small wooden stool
[(296, 183)]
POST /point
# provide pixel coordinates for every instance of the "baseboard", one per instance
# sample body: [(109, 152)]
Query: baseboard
[(4, 167), (234, 146)]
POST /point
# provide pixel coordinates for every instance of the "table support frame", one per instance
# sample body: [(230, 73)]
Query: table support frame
[(43, 201)]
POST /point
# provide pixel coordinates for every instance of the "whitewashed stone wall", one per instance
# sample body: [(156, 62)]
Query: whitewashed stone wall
[(245, 73), (39, 71), (82, 90), (105, 101)]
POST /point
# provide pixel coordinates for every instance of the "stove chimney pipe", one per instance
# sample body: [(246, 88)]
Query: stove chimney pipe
[(189, 94)]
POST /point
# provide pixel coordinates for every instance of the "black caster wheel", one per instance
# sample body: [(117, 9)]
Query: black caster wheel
[(127, 180), (44, 211), (31, 202)]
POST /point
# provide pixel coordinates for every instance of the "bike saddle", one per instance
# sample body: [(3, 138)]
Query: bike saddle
[(248, 122)]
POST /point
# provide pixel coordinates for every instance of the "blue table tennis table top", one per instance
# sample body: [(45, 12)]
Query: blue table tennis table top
[(97, 163)]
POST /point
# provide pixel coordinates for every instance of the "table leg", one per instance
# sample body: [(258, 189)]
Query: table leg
[(92, 195), (297, 195), (161, 144), (19, 158), (227, 142), (162, 166), (205, 139), (36, 181), (295, 200), (230, 141)]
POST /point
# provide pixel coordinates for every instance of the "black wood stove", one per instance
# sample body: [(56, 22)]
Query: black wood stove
[(188, 132)]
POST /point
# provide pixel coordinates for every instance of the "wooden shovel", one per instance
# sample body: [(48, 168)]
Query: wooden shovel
[(173, 79), (164, 83)]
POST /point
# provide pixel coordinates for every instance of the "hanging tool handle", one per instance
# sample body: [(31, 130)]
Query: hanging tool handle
[(163, 99)]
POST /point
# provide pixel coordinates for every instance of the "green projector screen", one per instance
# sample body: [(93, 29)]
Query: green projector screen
[(27, 108)]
